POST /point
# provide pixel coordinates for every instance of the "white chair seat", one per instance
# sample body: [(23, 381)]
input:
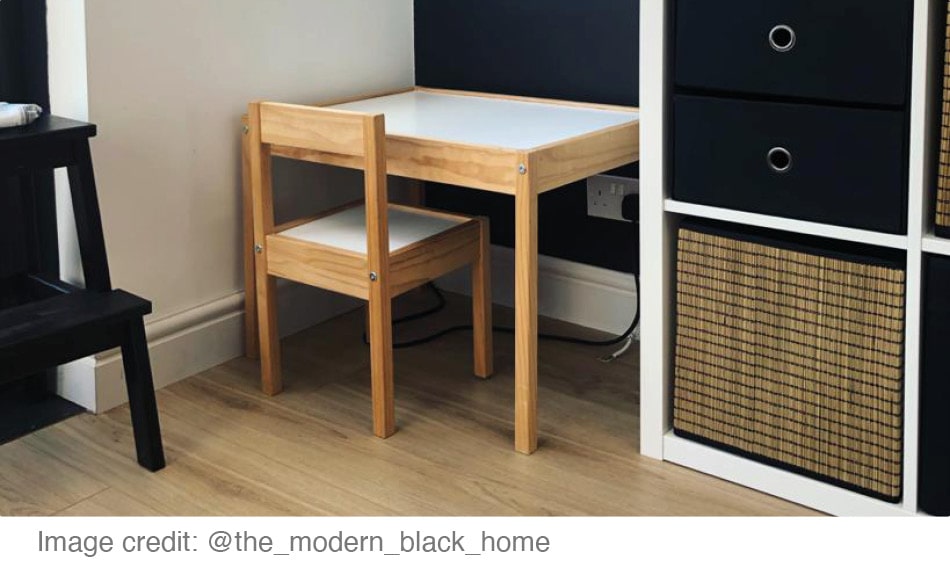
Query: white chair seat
[(347, 229)]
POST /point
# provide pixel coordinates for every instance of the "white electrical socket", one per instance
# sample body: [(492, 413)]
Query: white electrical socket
[(605, 195)]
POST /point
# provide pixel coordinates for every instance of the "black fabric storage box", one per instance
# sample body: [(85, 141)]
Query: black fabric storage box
[(843, 51), (934, 490), (842, 166)]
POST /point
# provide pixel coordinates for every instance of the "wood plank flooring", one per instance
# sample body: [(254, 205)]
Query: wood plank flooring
[(310, 450)]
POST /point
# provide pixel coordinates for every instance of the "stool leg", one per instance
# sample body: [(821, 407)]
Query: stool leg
[(138, 380), (482, 304), (92, 246), (30, 220)]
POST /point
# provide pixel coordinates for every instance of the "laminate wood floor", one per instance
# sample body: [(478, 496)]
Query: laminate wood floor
[(310, 450)]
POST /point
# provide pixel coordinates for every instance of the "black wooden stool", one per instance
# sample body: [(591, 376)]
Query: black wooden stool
[(45, 322)]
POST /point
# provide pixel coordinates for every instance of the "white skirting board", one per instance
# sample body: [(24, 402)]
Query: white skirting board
[(573, 292), (198, 339), (193, 341)]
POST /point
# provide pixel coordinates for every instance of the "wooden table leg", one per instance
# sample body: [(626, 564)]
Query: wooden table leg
[(262, 207), (417, 193), (526, 315), (251, 340), (416, 196), (380, 293), (482, 343)]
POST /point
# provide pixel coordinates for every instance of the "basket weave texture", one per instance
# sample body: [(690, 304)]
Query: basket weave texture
[(791, 358), (943, 177)]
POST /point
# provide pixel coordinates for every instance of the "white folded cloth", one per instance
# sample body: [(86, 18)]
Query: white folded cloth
[(18, 114)]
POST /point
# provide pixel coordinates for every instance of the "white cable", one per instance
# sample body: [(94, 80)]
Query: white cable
[(628, 343)]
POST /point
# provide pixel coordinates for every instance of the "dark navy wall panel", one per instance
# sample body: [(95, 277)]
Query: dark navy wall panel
[(24, 77), (585, 50)]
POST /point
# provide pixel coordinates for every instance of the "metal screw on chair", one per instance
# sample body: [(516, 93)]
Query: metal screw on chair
[(246, 130), (373, 276), (522, 169), (258, 249)]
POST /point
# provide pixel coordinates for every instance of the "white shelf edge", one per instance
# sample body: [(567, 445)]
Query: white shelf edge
[(788, 224), (934, 245), (773, 481), (656, 239)]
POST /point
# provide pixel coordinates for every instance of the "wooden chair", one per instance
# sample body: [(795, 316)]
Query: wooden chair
[(369, 249)]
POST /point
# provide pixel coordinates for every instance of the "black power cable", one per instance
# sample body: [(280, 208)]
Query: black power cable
[(441, 305), (630, 211)]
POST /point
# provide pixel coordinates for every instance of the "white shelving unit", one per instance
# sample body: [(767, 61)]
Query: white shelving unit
[(934, 245), (788, 224), (659, 218)]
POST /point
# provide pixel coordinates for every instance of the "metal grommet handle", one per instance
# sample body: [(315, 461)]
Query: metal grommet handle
[(782, 38), (780, 160)]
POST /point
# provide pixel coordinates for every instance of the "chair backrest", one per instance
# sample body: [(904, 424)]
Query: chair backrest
[(312, 132), (308, 127)]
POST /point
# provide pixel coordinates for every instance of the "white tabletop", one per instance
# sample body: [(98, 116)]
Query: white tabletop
[(487, 121)]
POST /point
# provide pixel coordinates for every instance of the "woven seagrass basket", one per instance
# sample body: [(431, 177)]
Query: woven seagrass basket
[(790, 355), (943, 176)]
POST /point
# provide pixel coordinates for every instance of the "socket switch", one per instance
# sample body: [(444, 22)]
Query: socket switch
[(605, 195)]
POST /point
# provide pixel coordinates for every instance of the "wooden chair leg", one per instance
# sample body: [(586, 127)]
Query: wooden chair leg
[(138, 380), (482, 305), (381, 362), (271, 378)]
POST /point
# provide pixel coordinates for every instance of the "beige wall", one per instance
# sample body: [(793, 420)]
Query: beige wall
[(167, 83)]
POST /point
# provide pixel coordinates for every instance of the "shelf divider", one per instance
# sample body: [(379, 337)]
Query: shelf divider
[(894, 241), (935, 245)]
